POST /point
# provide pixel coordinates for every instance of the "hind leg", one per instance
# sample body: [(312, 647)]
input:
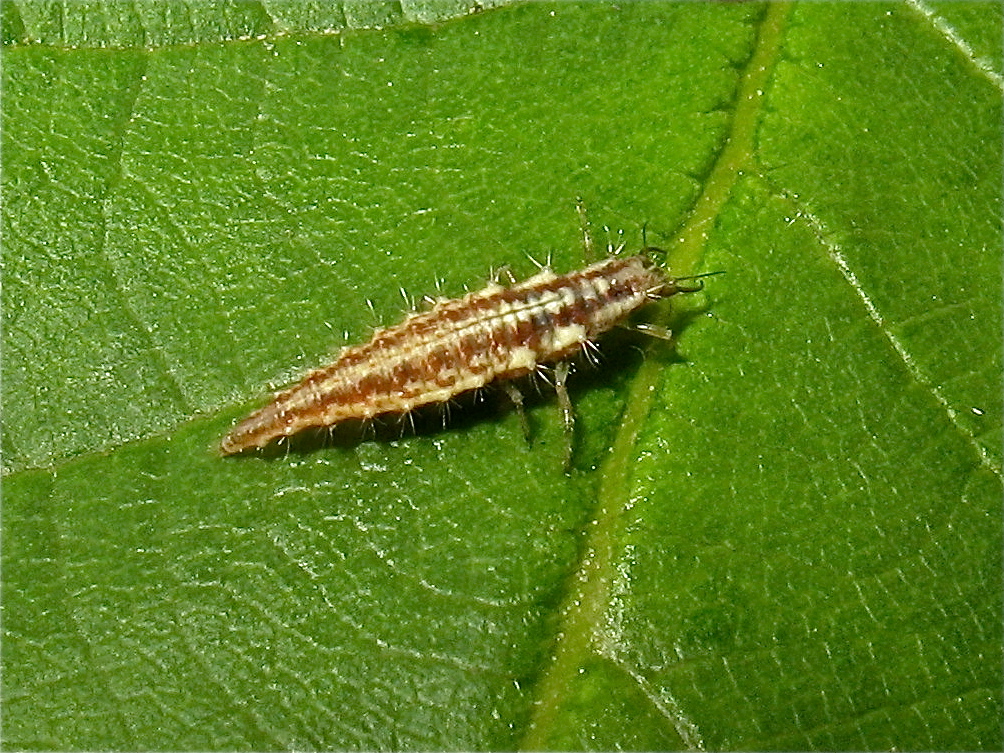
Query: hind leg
[(517, 400), (561, 372)]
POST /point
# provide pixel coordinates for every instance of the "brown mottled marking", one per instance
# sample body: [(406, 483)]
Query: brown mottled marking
[(463, 344)]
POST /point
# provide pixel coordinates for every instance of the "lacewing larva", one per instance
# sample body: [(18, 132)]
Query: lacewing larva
[(459, 345)]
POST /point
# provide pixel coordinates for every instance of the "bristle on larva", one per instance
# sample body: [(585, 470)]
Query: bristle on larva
[(459, 345)]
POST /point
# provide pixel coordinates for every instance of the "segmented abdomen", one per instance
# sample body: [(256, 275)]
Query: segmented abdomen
[(460, 345)]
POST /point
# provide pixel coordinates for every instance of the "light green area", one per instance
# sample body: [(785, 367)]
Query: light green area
[(98, 24), (975, 28), (786, 535)]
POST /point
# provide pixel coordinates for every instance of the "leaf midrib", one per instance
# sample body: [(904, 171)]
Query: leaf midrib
[(588, 589)]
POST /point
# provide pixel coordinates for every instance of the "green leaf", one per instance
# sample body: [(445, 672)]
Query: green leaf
[(785, 533)]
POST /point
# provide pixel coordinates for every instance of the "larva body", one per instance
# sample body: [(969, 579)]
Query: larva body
[(497, 333)]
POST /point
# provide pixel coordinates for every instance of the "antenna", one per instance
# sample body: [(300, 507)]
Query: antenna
[(700, 277)]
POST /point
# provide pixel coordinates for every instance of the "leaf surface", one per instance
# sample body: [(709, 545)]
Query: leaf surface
[(782, 533)]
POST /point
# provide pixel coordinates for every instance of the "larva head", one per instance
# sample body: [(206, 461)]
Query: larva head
[(666, 285)]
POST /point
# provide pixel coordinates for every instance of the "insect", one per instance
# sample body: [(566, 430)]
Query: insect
[(499, 333)]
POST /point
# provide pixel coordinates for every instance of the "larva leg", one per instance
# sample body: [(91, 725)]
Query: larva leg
[(517, 400), (560, 379), (654, 330)]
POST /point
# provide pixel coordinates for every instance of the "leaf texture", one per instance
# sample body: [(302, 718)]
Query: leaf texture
[(781, 533)]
